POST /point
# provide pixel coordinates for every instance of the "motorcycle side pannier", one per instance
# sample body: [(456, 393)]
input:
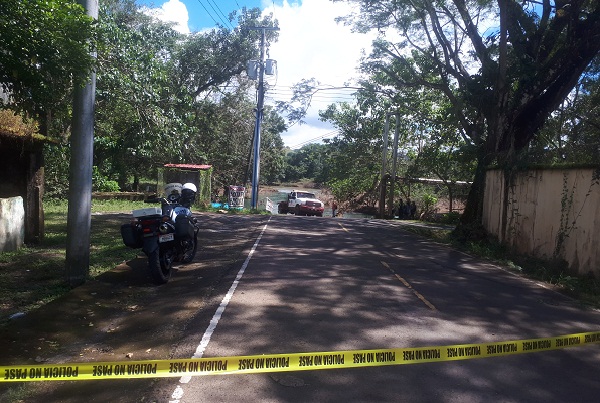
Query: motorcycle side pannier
[(132, 236), (184, 227)]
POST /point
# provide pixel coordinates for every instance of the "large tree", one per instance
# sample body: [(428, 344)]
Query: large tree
[(572, 134), (44, 52), (503, 65), (135, 112), (167, 98), (353, 162)]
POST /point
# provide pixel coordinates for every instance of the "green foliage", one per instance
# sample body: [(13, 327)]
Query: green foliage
[(353, 161), (450, 218), (135, 114), (224, 53), (428, 204), (101, 183), (159, 102), (307, 162), (572, 133), (205, 186), (14, 123), (44, 52), (56, 172), (352, 189), (499, 86), (272, 157), (161, 97)]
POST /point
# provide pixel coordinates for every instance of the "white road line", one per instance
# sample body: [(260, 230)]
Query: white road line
[(178, 392)]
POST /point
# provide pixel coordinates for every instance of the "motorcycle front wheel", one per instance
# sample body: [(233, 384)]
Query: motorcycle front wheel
[(160, 264), (190, 251)]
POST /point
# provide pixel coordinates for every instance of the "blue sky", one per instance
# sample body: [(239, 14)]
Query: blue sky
[(311, 45), (206, 13)]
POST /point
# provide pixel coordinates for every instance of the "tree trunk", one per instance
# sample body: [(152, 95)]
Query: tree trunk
[(136, 183), (470, 226)]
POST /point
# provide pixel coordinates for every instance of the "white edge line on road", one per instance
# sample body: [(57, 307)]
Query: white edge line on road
[(178, 393)]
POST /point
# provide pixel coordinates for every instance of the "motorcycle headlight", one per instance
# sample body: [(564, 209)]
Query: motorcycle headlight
[(163, 229)]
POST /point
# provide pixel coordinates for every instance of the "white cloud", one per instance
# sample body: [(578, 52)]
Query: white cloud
[(312, 44), (171, 11)]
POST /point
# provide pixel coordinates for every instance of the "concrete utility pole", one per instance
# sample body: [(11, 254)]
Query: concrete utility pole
[(394, 163), (79, 216), (383, 183), (259, 114)]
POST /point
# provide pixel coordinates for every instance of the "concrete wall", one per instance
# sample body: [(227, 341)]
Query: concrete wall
[(12, 223), (549, 213), (22, 174)]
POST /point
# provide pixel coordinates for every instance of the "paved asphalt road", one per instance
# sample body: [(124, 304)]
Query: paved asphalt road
[(310, 285), (316, 285)]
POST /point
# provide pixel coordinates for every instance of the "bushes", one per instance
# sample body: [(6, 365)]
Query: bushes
[(428, 206), (101, 183), (450, 218), (56, 174), (56, 171)]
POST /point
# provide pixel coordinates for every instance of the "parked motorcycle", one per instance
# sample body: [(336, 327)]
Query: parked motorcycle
[(166, 234)]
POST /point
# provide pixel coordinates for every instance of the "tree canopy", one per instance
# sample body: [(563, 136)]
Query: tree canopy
[(503, 66), (44, 52), (161, 97), (474, 82)]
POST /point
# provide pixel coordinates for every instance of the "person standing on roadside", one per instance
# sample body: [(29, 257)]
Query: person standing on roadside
[(401, 210), (334, 208), (413, 210)]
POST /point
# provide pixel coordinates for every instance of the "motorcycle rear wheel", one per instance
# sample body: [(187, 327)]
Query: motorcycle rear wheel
[(188, 254), (160, 265)]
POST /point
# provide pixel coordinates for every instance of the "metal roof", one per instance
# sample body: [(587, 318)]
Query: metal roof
[(188, 166)]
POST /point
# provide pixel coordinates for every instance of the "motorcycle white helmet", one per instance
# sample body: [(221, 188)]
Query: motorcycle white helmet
[(191, 187)]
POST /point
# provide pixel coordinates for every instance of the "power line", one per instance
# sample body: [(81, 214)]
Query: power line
[(217, 11), (208, 12), (321, 137), (314, 96), (329, 95), (332, 96), (323, 97)]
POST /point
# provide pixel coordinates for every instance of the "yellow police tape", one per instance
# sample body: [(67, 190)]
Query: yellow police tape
[(250, 364)]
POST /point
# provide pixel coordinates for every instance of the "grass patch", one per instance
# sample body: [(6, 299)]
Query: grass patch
[(35, 274)]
